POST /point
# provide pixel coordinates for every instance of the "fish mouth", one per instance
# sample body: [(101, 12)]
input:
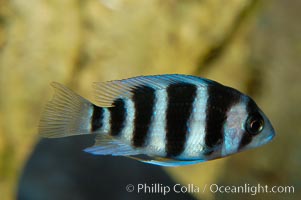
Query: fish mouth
[(269, 138)]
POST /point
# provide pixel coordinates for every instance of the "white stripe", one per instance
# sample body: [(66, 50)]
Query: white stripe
[(105, 121), (127, 130), (196, 131), (233, 132), (156, 136)]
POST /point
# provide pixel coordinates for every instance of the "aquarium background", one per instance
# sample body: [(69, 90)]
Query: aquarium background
[(252, 45)]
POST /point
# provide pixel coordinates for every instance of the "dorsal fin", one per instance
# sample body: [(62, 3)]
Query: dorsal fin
[(106, 92)]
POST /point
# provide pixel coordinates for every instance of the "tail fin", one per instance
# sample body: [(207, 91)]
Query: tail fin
[(66, 114)]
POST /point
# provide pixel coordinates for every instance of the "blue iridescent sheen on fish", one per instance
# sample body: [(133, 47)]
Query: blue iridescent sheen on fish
[(172, 119)]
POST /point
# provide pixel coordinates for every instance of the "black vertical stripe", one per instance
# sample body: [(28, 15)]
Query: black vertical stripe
[(118, 114), (220, 99), (96, 120), (251, 107), (247, 137), (143, 98), (179, 107)]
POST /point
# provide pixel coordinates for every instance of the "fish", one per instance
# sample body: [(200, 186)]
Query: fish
[(167, 120)]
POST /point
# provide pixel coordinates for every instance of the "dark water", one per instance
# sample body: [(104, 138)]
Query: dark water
[(59, 169)]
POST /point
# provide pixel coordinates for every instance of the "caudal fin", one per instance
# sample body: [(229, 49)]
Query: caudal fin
[(66, 114)]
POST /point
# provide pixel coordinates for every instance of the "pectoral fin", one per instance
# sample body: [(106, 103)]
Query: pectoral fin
[(107, 145)]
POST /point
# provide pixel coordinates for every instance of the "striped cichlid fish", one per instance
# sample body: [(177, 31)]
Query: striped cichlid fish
[(172, 120)]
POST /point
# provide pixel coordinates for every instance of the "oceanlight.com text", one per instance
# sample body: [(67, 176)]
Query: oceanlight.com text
[(159, 188)]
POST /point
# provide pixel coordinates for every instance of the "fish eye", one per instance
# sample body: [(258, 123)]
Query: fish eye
[(255, 123)]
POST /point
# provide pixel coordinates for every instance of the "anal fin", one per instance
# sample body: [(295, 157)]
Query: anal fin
[(166, 162)]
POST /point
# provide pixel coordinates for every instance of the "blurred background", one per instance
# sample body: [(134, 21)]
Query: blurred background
[(252, 45)]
